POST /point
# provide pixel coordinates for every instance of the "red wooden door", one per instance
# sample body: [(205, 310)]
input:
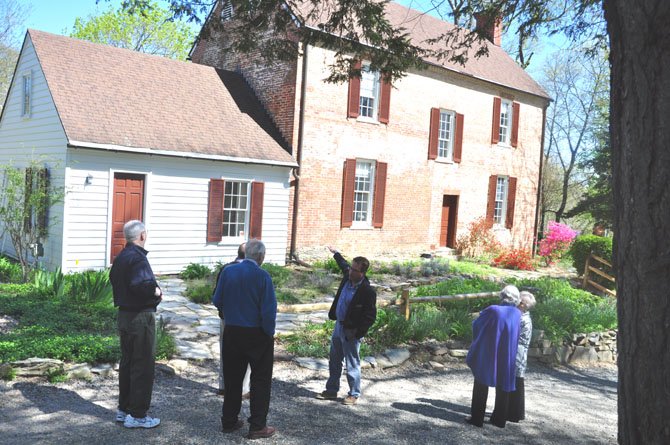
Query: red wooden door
[(449, 220), (128, 202)]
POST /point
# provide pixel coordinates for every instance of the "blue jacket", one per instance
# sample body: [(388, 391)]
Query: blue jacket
[(495, 338), (246, 296), (133, 282)]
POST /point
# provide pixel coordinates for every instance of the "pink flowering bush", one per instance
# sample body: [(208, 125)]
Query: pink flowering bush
[(557, 240)]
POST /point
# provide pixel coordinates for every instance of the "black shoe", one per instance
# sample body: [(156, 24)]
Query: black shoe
[(495, 422), (326, 395), (268, 431), (221, 392), (472, 422), (239, 424)]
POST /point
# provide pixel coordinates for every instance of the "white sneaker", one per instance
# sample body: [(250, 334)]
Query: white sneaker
[(146, 422), (120, 415)]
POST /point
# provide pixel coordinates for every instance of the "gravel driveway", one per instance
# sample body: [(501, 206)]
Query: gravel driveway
[(406, 405)]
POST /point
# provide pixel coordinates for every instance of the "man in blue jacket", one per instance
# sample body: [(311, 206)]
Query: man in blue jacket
[(355, 310), (136, 294), (246, 296)]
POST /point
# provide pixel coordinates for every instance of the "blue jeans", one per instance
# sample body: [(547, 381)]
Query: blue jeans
[(347, 350)]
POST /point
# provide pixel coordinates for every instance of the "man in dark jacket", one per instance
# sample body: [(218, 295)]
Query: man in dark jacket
[(136, 294), (355, 310)]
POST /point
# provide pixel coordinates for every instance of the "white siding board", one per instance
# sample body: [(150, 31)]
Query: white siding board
[(38, 137), (175, 208)]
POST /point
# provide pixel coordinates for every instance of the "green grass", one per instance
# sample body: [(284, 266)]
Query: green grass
[(561, 311), (51, 327), (199, 290), (473, 268)]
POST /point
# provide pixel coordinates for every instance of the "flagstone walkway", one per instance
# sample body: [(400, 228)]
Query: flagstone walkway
[(195, 327)]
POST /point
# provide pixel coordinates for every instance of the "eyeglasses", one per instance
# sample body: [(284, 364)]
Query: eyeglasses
[(356, 270)]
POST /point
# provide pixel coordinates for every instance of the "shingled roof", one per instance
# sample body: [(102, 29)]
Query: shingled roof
[(109, 97), (498, 67)]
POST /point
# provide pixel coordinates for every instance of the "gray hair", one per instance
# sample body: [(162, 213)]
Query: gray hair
[(527, 299), (255, 250), (509, 296), (133, 229)]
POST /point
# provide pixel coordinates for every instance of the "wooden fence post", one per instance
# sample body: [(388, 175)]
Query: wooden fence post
[(405, 302), (586, 272)]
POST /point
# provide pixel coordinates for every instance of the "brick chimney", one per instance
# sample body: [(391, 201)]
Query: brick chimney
[(489, 28)]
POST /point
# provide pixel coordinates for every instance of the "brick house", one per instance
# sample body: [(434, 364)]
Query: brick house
[(403, 167)]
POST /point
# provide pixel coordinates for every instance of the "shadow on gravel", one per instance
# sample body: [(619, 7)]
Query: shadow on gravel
[(51, 399), (437, 409)]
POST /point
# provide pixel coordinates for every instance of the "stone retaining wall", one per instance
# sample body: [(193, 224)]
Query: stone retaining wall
[(583, 348)]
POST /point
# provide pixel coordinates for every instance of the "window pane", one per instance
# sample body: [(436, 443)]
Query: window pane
[(369, 92), (501, 200), (505, 111), (445, 135), (235, 208), (363, 191)]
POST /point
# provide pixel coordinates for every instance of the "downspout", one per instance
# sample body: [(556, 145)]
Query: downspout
[(539, 179), (296, 171)]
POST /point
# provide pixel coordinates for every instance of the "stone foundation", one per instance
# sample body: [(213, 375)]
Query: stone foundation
[(594, 347)]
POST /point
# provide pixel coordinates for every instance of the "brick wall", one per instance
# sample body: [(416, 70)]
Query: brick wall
[(415, 185), (274, 84)]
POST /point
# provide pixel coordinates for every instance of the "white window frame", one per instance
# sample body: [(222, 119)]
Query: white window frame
[(366, 111), (500, 204), (362, 219), (445, 135), (226, 11), (26, 94), (228, 190), (505, 130)]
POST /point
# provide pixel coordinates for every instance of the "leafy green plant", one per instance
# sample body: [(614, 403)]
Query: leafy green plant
[(50, 283), (195, 271), (323, 282), (166, 347), (287, 297), (56, 375), (199, 290), (434, 267), (8, 373), (472, 268), (90, 287), (312, 340), (330, 265), (279, 274), (10, 271), (583, 245)]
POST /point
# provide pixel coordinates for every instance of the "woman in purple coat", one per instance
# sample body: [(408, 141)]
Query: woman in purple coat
[(492, 355)]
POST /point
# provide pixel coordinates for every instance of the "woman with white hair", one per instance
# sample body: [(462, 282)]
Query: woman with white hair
[(492, 355), (517, 400)]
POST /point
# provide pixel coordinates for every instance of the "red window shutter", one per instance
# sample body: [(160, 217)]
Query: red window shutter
[(490, 206), (434, 133), (215, 211), (495, 128), (256, 214), (511, 199), (385, 102), (354, 94), (380, 195), (515, 123), (458, 139), (348, 192)]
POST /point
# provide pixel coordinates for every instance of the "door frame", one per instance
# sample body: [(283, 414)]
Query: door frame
[(110, 205), (453, 219)]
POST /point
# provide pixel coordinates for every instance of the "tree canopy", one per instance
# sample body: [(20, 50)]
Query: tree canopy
[(154, 31)]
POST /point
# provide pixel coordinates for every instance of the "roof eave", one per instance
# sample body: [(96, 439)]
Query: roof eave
[(179, 154)]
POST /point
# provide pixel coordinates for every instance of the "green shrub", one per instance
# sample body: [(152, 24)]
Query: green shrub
[(9, 373), (56, 375), (50, 283), (330, 265), (279, 274), (472, 268), (434, 267), (583, 245), (199, 291), (321, 281), (312, 340), (287, 297), (90, 287), (457, 286), (166, 348), (10, 271), (195, 271)]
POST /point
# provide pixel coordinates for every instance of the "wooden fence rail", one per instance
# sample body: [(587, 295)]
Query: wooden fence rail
[(406, 301), (589, 268)]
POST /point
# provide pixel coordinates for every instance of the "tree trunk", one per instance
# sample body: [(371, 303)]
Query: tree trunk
[(640, 131)]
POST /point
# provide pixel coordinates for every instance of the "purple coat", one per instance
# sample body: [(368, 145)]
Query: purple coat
[(492, 355)]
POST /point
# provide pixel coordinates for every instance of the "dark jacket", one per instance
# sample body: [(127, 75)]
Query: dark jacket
[(133, 282), (362, 310)]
